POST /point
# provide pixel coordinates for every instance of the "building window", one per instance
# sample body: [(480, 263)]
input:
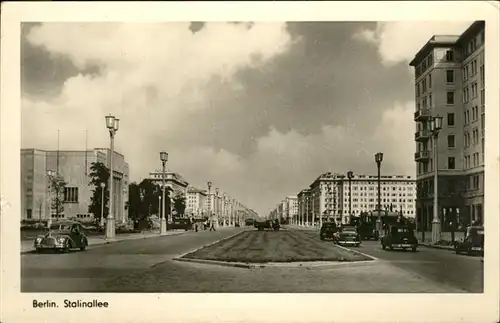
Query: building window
[(451, 119), (450, 97), (430, 80), (482, 150), (430, 100), (474, 90), (481, 71), (450, 76), (451, 141), (466, 94), (424, 85), (482, 97), (451, 162), (29, 213), (476, 182), (71, 194), (449, 55)]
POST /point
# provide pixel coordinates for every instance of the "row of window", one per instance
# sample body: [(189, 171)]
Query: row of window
[(474, 92), (475, 161), (475, 116), (471, 47)]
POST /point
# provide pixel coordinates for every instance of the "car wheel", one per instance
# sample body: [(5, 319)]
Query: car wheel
[(82, 248), (322, 238), (414, 249), (383, 246), (38, 250), (404, 249), (457, 251), (390, 247)]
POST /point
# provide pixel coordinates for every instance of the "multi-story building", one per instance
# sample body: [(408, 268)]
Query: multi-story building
[(397, 194), (173, 180), (74, 168), (196, 201), (290, 209), (449, 82), (329, 196), (304, 206)]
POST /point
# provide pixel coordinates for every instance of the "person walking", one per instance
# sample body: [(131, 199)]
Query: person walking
[(212, 225)]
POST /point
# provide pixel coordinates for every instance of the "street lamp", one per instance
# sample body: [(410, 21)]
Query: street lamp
[(378, 159), (50, 175), (103, 185), (209, 184), (436, 124), (163, 221), (112, 123), (217, 206), (350, 175)]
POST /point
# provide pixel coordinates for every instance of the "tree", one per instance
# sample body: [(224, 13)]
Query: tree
[(99, 173), (134, 201), (179, 203), (149, 193)]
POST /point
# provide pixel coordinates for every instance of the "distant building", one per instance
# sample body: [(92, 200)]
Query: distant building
[(173, 180), (196, 202), (291, 208), (328, 197), (450, 82), (74, 168)]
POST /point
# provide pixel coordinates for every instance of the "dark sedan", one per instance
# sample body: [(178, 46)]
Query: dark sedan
[(473, 241), (348, 238)]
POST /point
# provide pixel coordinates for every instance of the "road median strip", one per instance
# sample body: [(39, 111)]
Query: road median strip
[(259, 249)]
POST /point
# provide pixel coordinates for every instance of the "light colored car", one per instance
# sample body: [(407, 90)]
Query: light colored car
[(348, 238), (62, 236)]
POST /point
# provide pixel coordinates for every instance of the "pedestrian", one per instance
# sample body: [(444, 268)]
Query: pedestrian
[(212, 225)]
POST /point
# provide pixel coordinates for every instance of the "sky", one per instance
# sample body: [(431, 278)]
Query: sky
[(260, 109)]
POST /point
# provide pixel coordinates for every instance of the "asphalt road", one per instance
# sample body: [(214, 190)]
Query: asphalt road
[(147, 266), (444, 266)]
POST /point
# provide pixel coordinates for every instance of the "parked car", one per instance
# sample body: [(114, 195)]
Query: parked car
[(347, 238), (473, 241), (62, 236), (182, 224), (399, 236), (327, 230)]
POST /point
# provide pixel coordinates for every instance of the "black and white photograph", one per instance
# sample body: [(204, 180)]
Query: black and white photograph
[(298, 156)]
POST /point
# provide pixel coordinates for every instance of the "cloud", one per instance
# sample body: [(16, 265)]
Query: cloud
[(399, 41), (150, 76)]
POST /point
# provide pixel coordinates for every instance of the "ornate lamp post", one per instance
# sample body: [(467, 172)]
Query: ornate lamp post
[(103, 185), (224, 208), (350, 175), (436, 124), (112, 124), (50, 175), (209, 184), (163, 221), (217, 207), (378, 159)]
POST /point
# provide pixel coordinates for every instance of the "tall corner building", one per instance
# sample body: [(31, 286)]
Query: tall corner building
[(449, 82)]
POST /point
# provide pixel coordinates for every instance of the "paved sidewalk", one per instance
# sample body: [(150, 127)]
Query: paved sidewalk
[(445, 236), (27, 246)]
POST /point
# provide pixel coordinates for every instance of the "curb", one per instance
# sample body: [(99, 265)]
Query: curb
[(312, 264), (208, 245), (104, 243), (436, 247), (358, 252)]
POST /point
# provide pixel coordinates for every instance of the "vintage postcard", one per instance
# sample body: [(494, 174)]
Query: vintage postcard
[(253, 162)]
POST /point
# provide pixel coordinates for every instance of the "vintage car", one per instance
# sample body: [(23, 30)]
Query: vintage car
[(473, 241), (347, 238), (399, 236), (327, 230), (179, 224), (62, 236)]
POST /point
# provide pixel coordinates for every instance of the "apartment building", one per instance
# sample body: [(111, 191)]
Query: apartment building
[(329, 195), (196, 201), (450, 82), (173, 180), (291, 208), (74, 169)]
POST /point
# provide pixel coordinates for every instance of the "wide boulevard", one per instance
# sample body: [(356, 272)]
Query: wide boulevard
[(146, 266)]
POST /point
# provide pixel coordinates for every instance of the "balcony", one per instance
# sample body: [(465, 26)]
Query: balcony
[(422, 156), (422, 114), (422, 135)]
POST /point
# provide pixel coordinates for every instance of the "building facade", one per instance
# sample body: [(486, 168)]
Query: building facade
[(74, 169), (304, 206), (450, 82), (196, 201), (173, 180), (291, 208)]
